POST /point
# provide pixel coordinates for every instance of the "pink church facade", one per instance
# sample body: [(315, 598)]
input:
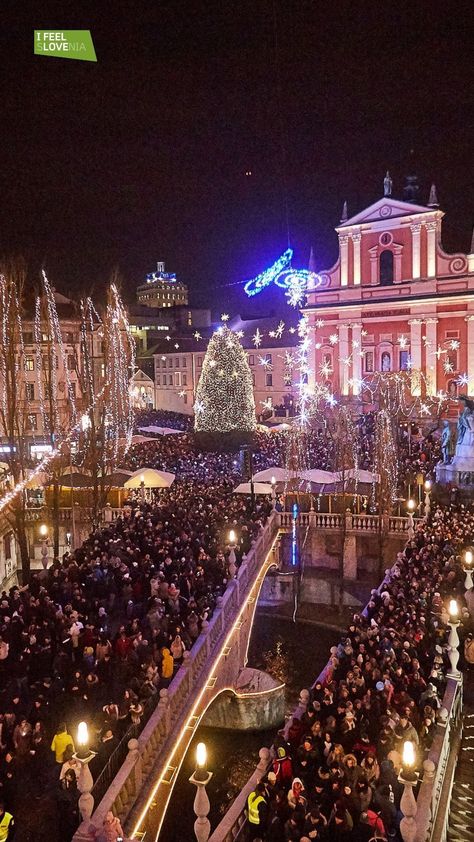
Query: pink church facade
[(393, 301)]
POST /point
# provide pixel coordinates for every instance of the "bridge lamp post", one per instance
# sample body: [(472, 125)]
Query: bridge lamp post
[(85, 782), (467, 567), (408, 777), (200, 778), (43, 530), (453, 639), (427, 487), (232, 559), (411, 508), (142, 487), (273, 484)]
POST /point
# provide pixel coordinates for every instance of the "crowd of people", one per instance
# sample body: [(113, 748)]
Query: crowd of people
[(336, 770), (98, 634)]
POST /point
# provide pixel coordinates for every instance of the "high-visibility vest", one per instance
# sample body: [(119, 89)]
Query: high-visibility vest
[(5, 825), (253, 803)]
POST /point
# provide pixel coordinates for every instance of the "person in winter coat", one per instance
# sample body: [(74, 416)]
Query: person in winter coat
[(297, 794), (111, 828), (60, 742), (167, 666)]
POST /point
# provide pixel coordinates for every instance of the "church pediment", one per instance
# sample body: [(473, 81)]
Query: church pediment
[(386, 208)]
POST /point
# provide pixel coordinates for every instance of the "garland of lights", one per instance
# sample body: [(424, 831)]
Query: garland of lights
[(224, 394)]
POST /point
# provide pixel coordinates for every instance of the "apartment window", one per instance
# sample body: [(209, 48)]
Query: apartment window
[(404, 360), (28, 338), (268, 380), (199, 361), (184, 363), (176, 362), (184, 379), (71, 362), (32, 422), (157, 363), (170, 380), (269, 359), (30, 364), (251, 359), (177, 378), (30, 391), (185, 398), (158, 380), (69, 338), (170, 363), (452, 334)]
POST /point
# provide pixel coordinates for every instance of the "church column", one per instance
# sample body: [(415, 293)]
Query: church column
[(431, 228), (356, 357), (415, 354), (356, 245), (344, 250), (470, 353), (431, 358), (415, 249), (343, 355)]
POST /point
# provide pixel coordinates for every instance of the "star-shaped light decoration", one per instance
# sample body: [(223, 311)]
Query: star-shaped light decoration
[(424, 409), (182, 393), (292, 329), (197, 336), (454, 344), (168, 338), (331, 400), (319, 322), (198, 406), (272, 334), (267, 404), (257, 338), (439, 351), (224, 317), (176, 345), (280, 329), (462, 380), (163, 358), (334, 339), (402, 341), (363, 332), (448, 367), (240, 334), (265, 363), (355, 343)]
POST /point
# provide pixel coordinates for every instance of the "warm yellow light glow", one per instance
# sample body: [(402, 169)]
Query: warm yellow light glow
[(142, 479), (468, 557), (85, 422), (273, 480), (408, 754), (43, 530), (201, 756), (82, 734), (428, 485), (453, 608), (411, 505), (232, 536)]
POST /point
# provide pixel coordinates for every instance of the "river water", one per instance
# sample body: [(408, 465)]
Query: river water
[(293, 653)]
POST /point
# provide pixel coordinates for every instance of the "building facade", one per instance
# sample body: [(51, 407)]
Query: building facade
[(394, 301), (162, 289)]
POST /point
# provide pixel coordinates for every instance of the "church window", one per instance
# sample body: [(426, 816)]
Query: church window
[(369, 362), (386, 361), (386, 268), (404, 360)]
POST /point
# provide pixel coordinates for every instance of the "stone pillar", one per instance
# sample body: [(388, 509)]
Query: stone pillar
[(374, 265), (431, 228), (356, 253), (356, 357), (431, 358), (416, 250), (350, 557), (343, 355), (415, 354), (344, 250), (397, 263), (470, 348)]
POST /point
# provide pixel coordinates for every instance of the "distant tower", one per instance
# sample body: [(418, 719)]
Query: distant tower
[(387, 185), (344, 216), (433, 200), (411, 189)]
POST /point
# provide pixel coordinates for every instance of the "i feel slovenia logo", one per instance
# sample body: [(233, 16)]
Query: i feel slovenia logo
[(65, 43)]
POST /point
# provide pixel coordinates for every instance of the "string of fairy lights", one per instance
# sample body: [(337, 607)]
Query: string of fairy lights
[(108, 392)]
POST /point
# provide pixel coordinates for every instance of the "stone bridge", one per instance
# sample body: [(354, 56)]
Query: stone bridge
[(142, 787)]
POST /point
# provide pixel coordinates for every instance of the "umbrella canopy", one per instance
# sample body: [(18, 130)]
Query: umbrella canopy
[(258, 487), (280, 474), (360, 476), (75, 481), (161, 431), (151, 479)]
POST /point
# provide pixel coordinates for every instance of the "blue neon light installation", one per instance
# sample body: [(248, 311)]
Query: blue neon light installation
[(281, 274), (294, 554)]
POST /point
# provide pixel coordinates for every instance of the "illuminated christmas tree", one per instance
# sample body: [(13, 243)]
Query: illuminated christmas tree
[(224, 395)]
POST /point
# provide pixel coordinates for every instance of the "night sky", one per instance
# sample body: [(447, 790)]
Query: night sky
[(143, 156)]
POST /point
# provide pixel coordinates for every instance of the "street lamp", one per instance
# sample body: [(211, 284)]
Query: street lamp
[(232, 559), (43, 530), (411, 508), (453, 639), (142, 486), (427, 486), (273, 484), (200, 778), (408, 777), (467, 567), (85, 783)]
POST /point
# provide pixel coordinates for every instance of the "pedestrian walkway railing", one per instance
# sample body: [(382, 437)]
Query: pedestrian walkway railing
[(355, 523)]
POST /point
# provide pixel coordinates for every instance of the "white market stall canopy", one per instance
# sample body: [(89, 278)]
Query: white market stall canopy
[(319, 476), (161, 431), (280, 474), (258, 487), (151, 478)]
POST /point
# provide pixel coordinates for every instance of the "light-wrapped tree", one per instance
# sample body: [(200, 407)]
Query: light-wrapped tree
[(224, 403)]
